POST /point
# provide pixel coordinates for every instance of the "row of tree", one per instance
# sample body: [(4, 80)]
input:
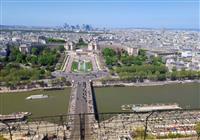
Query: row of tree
[(110, 57), (14, 74), (53, 40), (140, 67), (41, 56), (35, 65)]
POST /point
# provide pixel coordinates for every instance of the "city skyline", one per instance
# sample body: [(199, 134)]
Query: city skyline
[(177, 14)]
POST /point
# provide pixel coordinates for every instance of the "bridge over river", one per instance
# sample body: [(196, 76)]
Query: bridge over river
[(81, 102)]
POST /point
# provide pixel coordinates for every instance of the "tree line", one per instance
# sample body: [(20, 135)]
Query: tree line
[(141, 67), (35, 65), (53, 40)]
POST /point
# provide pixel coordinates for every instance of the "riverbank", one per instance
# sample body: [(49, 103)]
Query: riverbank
[(45, 84), (99, 84), (140, 84), (7, 90)]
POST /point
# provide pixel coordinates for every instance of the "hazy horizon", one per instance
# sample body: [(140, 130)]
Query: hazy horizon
[(178, 14), (123, 28)]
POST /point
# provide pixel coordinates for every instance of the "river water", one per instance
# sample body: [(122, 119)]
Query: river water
[(110, 99), (57, 103)]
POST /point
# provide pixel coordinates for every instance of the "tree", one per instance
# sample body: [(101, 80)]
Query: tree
[(35, 51), (197, 129), (61, 48), (157, 61), (28, 58), (161, 77), (14, 51), (142, 52), (108, 52), (173, 76), (127, 60), (111, 61), (53, 40), (33, 60), (151, 76), (174, 69), (42, 60), (21, 58), (138, 61)]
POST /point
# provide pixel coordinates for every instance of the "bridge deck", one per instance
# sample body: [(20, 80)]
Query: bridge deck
[(81, 102)]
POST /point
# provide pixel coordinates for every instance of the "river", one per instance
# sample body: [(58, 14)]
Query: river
[(57, 103), (110, 99)]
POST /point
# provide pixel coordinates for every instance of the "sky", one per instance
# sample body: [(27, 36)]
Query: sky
[(103, 13)]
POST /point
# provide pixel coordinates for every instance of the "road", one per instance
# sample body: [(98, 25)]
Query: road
[(81, 76)]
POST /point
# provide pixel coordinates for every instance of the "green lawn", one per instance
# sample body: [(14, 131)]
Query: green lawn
[(89, 66), (74, 66)]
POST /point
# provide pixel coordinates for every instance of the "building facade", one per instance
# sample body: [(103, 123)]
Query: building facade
[(24, 48), (69, 46), (92, 46), (132, 51)]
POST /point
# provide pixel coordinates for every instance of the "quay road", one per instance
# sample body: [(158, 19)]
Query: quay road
[(81, 76)]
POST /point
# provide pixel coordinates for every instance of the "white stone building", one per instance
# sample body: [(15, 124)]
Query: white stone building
[(186, 54), (24, 48), (69, 46), (92, 46), (132, 51)]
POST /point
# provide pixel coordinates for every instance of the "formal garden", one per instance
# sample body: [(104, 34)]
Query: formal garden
[(81, 66)]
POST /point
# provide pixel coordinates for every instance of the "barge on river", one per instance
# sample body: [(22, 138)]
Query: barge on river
[(150, 107), (18, 116), (39, 96)]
